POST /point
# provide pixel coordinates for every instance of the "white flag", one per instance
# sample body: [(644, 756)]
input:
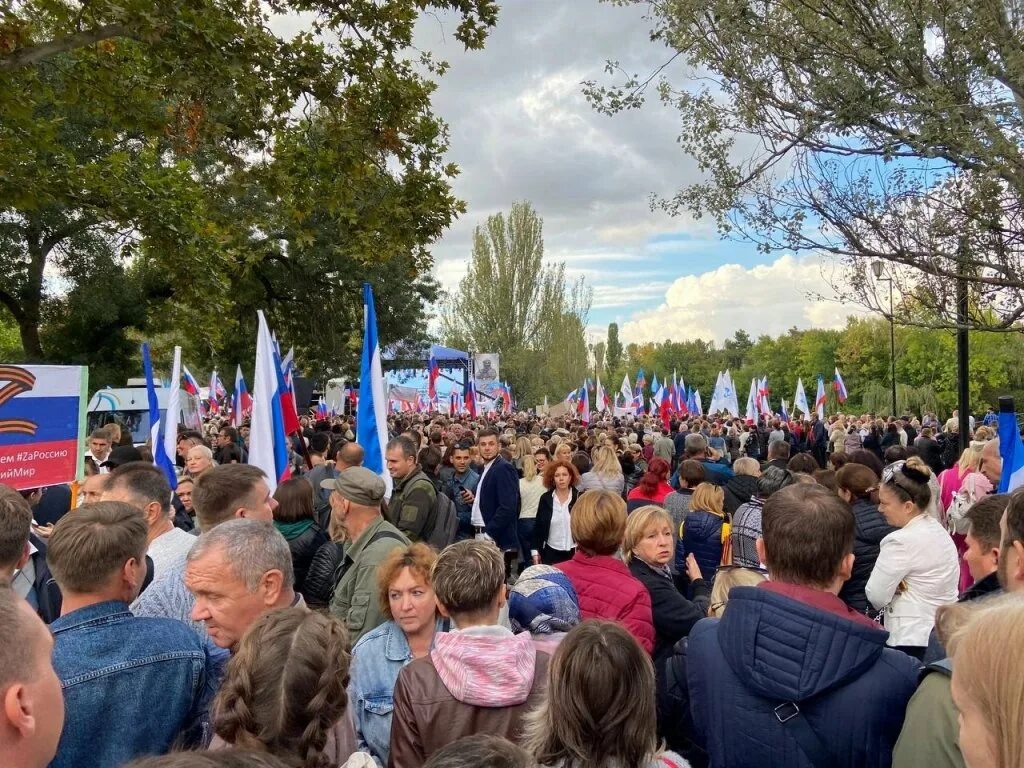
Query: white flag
[(626, 389), (800, 399), (730, 403), (752, 401)]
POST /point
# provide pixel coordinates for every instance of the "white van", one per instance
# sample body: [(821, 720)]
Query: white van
[(129, 407)]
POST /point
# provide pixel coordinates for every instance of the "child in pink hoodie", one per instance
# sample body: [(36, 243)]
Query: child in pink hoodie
[(480, 677)]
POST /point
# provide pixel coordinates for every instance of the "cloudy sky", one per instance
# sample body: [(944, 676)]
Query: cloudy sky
[(522, 130)]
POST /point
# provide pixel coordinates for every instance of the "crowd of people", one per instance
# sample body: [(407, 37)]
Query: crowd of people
[(531, 591)]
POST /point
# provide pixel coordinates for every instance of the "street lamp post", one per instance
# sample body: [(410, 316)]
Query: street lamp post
[(878, 268)]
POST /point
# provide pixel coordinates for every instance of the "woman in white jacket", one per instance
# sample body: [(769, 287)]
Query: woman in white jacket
[(917, 569)]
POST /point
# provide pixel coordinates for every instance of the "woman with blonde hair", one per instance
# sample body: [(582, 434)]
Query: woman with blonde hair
[(521, 448), (604, 586), (531, 490), (406, 596), (295, 710), (959, 487), (705, 528), (730, 576), (987, 690), (649, 547), (606, 472), (598, 710), (564, 451)]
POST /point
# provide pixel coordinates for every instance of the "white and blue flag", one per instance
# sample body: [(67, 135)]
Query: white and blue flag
[(371, 418), (1011, 449), (163, 432)]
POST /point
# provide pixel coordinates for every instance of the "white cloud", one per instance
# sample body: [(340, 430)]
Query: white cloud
[(766, 299)]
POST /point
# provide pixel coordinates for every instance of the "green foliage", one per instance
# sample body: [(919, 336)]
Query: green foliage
[(185, 140), (514, 303), (613, 356), (925, 365)]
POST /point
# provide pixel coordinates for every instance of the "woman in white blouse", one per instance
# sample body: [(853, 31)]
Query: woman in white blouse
[(552, 538), (917, 569)]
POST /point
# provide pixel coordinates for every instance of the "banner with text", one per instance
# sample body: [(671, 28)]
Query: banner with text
[(42, 424)]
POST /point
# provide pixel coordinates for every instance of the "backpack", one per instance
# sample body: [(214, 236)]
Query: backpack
[(442, 525), (322, 497), (962, 501), (445, 520)]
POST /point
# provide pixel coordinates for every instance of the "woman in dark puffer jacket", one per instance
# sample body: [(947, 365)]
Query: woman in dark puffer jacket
[(295, 518), (858, 487), (742, 486)]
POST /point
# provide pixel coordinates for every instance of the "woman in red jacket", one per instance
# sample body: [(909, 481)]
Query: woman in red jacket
[(653, 488), (605, 587)]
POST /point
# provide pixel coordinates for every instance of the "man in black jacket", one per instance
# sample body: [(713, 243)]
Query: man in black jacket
[(23, 557)]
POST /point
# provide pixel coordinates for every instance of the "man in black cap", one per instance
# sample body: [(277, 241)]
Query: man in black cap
[(356, 495)]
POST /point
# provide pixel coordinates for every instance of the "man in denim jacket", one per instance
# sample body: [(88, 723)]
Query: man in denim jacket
[(132, 685)]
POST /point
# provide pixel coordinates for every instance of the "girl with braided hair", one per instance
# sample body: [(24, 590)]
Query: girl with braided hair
[(285, 691)]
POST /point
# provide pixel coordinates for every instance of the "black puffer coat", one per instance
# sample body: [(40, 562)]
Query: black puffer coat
[(871, 528)]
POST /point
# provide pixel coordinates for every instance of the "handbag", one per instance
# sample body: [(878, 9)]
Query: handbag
[(726, 544), (726, 551)]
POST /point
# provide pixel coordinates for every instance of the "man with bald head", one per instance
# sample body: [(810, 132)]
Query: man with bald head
[(349, 455)]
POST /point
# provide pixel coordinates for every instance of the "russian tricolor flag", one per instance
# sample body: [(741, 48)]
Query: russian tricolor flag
[(819, 400), (584, 404), (188, 381), (840, 387), (371, 420), (215, 392), (432, 373), (268, 443), (241, 400), (285, 390)]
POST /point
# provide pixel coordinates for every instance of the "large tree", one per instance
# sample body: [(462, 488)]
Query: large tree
[(159, 129), (885, 130), (513, 302), (613, 355)]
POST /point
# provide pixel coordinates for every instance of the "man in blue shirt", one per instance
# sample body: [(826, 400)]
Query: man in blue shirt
[(132, 685), (460, 487)]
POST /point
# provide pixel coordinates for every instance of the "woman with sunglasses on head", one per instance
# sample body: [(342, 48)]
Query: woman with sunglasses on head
[(917, 569)]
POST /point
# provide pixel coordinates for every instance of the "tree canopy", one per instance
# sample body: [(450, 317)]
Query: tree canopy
[(201, 165), (515, 303), (888, 130), (926, 372)]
